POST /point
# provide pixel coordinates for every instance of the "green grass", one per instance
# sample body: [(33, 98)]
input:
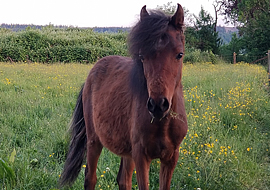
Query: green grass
[(227, 146)]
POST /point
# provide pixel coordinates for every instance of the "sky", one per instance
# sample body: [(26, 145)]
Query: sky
[(88, 13)]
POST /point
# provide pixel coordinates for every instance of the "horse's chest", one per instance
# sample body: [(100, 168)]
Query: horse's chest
[(161, 147)]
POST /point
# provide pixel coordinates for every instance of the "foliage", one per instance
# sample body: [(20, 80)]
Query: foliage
[(168, 8), (213, 57), (208, 39), (227, 144), (256, 35), (193, 55), (51, 45), (253, 18), (202, 36), (243, 11), (191, 37)]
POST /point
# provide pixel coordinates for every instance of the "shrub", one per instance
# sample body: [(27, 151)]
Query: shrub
[(59, 45), (196, 56)]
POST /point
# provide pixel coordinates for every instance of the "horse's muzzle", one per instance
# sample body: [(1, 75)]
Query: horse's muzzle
[(158, 108)]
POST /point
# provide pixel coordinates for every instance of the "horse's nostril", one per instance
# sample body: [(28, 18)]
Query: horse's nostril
[(164, 105), (159, 107), (151, 105)]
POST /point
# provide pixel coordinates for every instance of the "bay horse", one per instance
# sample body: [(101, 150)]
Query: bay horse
[(133, 106)]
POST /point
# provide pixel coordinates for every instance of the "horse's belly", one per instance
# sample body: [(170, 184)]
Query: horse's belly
[(113, 135), (111, 116)]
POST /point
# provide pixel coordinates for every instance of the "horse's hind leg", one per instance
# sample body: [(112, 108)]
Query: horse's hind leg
[(94, 148), (124, 177)]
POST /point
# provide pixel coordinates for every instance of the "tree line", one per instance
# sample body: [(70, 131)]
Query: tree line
[(20, 27), (225, 33)]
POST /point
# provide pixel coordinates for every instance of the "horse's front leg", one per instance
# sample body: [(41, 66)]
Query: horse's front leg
[(142, 164), (124, 177), (166, 171)]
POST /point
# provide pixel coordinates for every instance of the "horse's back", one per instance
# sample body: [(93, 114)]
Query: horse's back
[(110, 67), (111, 100), (109, 74)]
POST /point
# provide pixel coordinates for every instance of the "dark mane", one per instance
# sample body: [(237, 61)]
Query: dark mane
[(137, 80), (146, 35)]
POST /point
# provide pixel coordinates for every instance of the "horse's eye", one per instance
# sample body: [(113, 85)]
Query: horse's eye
[(179, 56), (141, 57)]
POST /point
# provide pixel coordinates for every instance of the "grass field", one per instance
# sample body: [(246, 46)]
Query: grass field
[(227, 146)]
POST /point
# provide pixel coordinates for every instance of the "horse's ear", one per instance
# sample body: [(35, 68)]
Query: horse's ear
[(144, 12), (178, 18)]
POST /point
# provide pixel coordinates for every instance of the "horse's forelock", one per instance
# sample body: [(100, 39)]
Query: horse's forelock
[(149, 35)]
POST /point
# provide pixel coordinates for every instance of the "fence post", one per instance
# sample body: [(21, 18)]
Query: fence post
[(234, 58), (268, 66)]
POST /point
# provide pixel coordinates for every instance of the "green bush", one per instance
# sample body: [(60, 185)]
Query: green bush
[(51, 45), (193, 55)]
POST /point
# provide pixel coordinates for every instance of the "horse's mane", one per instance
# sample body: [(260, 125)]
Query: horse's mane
[(146, 35)]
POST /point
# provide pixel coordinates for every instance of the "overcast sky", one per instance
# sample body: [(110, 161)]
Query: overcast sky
[(87, 13)]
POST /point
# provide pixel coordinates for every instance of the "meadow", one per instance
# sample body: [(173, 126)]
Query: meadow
[(227, 145)]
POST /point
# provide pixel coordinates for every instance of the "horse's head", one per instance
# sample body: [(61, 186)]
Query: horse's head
[(157, 42)]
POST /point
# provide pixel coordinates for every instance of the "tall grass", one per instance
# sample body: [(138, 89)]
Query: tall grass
[(227, 146)]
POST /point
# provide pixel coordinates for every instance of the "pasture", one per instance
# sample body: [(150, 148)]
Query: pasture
[(227, 145)]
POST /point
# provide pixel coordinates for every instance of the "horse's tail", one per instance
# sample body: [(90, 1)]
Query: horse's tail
[(77, 147)]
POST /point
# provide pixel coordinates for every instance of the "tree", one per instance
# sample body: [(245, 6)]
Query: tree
[(205, 30), (217, 8), (253, 18), (243, 11), (167, 8)]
